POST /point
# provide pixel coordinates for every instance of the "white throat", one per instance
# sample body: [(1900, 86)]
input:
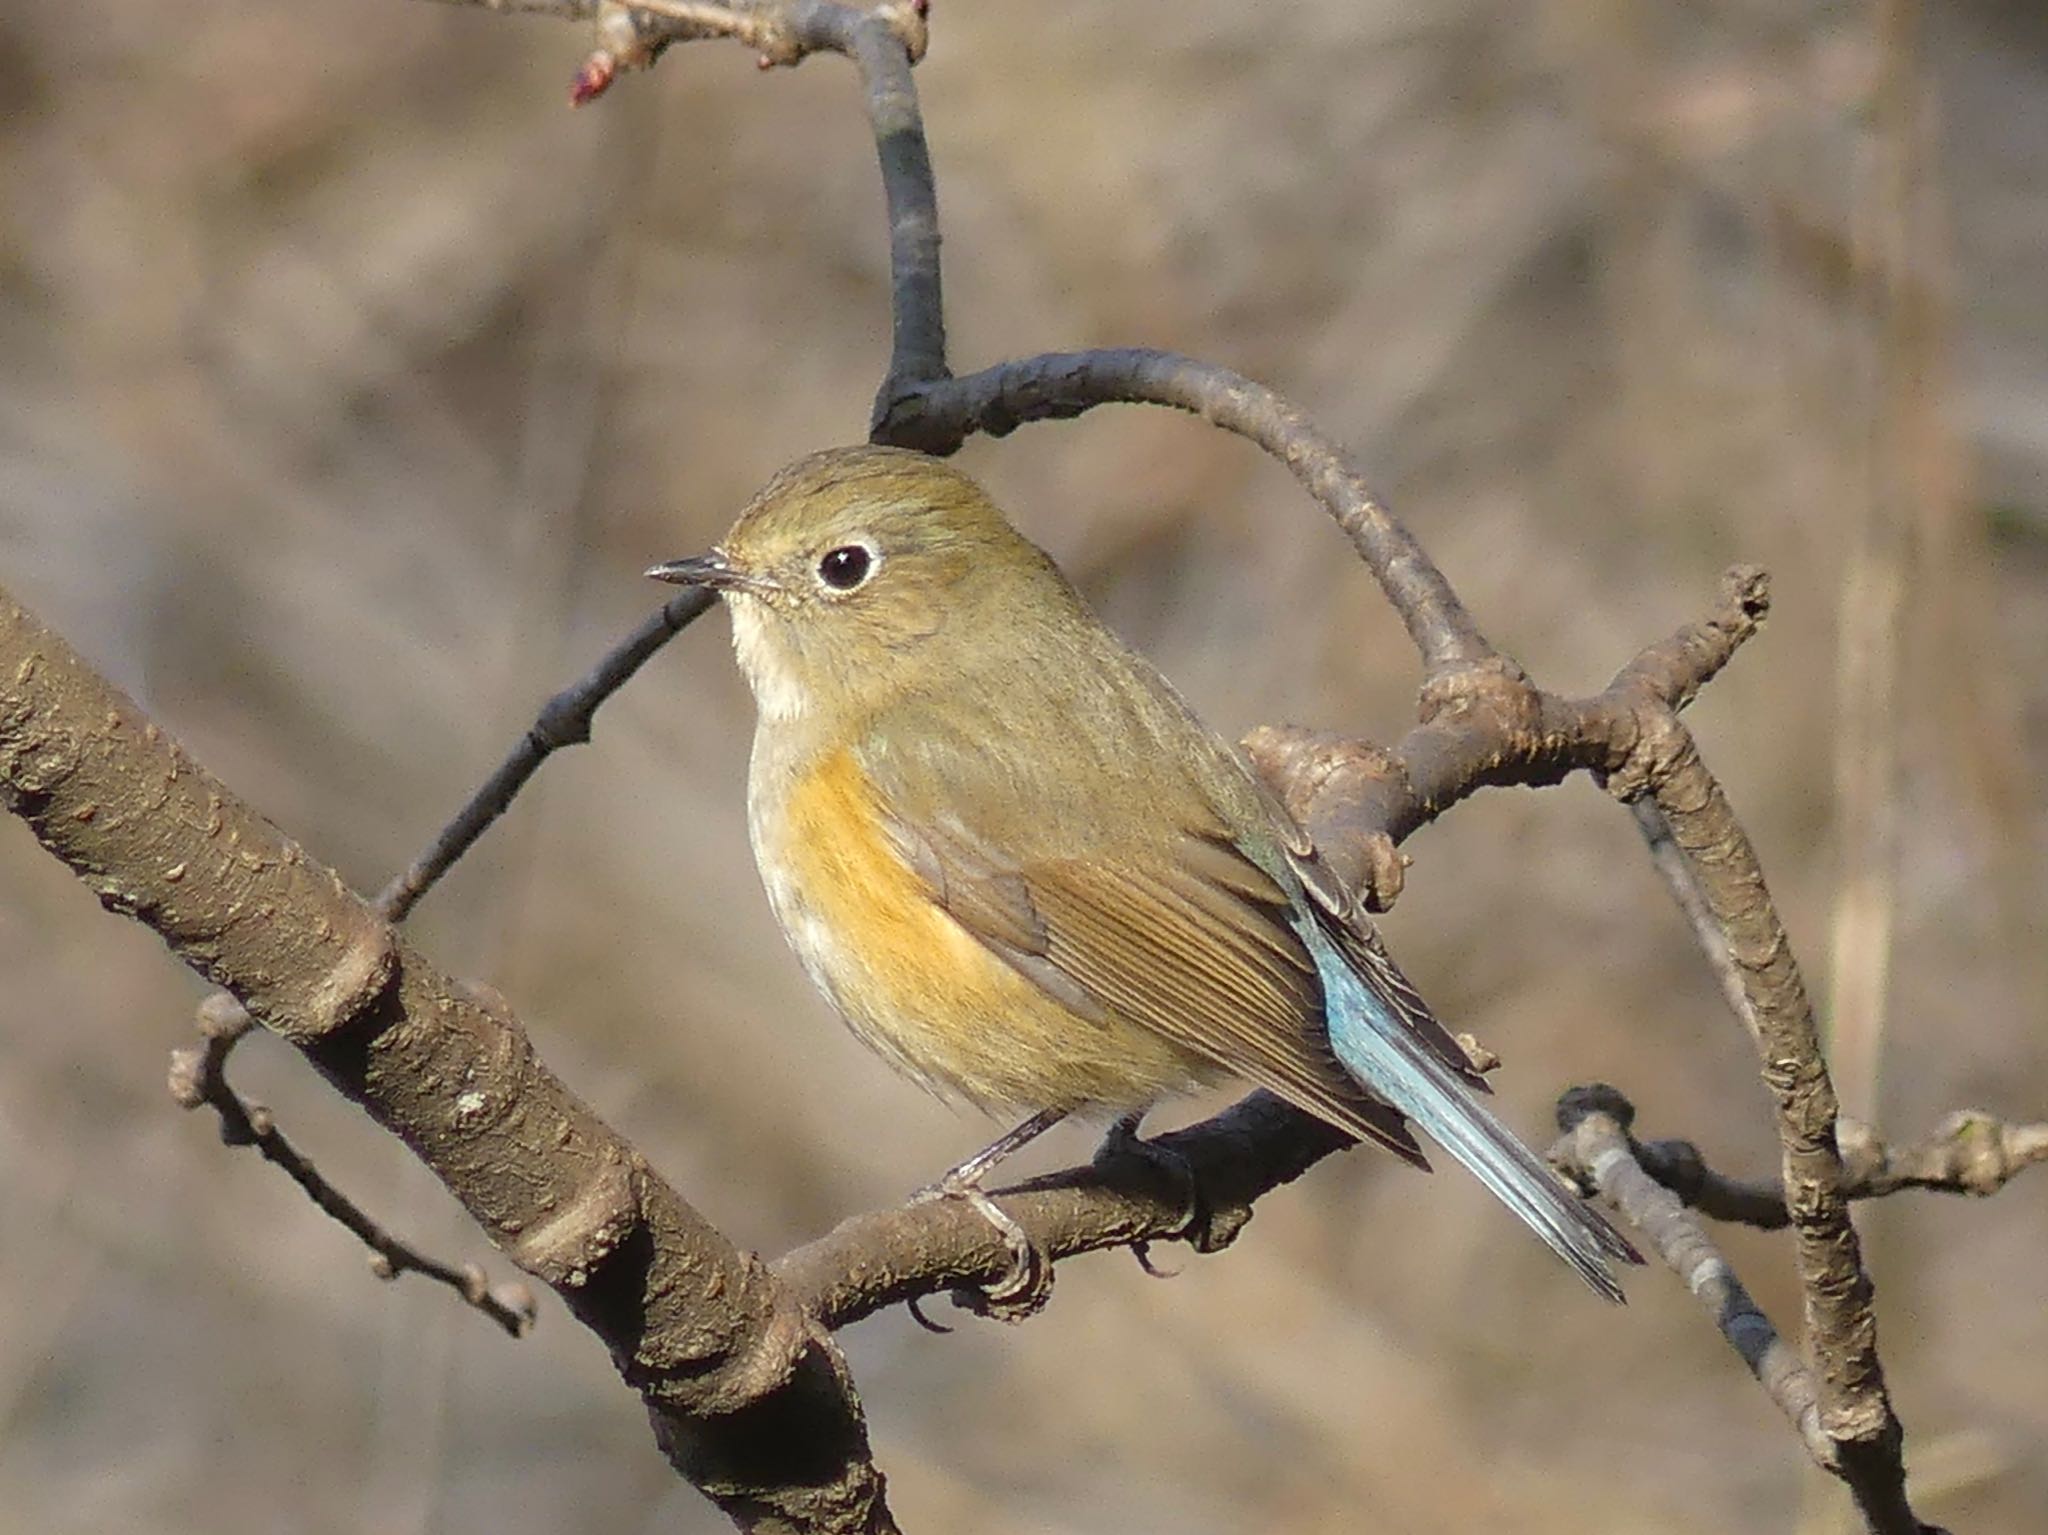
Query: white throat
[(777, 693)]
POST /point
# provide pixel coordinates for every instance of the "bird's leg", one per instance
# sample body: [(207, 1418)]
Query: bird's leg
[(1123, 1140), (968, 1174), (1027, 1282)]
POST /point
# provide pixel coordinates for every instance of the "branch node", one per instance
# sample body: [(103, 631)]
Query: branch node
[(1651, 744), (1494, 685), (221, 1017), (910, 22), (564, 1250), (1336, 788), (773, 1352), (351, 986), (1576, 1103)]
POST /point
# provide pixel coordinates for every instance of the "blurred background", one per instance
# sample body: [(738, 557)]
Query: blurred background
[(351, 380)]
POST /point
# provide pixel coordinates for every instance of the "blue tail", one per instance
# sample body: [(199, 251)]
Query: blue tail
[(1380, 1044)]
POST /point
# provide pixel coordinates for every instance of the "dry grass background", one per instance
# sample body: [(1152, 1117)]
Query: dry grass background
[(350, 380)]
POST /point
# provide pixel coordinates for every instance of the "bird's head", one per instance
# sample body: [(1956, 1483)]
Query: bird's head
[(858, 572)]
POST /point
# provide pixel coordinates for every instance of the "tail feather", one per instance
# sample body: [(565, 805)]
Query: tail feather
[(1388, 1054)]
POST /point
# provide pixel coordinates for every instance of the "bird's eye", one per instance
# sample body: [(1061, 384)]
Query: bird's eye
[(846, 567)]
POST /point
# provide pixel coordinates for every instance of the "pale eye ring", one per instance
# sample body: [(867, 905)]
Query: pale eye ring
[(847, 567)]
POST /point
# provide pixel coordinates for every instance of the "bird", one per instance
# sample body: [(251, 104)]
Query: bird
[(1029, 876)]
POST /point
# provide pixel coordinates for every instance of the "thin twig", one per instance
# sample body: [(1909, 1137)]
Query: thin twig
[(1670, 862), (198, 1079), (564, 720), (1597, 1150), (1970, 1152)]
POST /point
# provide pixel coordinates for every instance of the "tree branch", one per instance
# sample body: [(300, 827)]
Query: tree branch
[(708, 1336), (1598, 1149), (724, 1357), (1598, 1152), (1970, 1152), (728, 1357), (198, 1077), (885, 1257), (564, 720), (1663, 762), (1057, 385)]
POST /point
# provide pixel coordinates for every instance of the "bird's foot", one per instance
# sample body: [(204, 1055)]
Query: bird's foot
[(1123, 1140), (1024, 1286)]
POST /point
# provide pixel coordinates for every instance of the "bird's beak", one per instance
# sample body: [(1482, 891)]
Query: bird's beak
[(713, 570)]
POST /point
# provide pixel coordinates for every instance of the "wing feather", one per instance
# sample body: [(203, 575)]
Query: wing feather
[(1194, 944)]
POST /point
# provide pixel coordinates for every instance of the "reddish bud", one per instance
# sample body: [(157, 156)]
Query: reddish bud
[(594, 78)]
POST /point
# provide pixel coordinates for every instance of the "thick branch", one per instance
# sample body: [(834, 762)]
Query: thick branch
[(726, 1361), (199, 1072), (877, 1260), (1841, 1327), (1838, 1291)]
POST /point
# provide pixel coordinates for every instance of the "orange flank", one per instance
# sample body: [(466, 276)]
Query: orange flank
[(917, 986)]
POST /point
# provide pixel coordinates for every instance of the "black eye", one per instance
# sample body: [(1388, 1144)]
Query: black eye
[(846, 567)]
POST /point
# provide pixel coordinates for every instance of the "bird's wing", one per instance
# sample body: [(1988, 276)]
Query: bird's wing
[(1342, 916), (1191, 940), (1360, 944)]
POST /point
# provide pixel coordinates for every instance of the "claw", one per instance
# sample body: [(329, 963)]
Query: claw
[(1122, 1140), (1026, 1284), (1142, 1251)]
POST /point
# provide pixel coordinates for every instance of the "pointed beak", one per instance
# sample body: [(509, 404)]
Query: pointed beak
[(712, 570)]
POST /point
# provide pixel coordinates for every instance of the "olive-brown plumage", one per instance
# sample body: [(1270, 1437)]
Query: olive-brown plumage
[(1020, 866)]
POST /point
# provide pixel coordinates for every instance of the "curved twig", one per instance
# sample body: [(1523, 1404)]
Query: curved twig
[(1057, 385)]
